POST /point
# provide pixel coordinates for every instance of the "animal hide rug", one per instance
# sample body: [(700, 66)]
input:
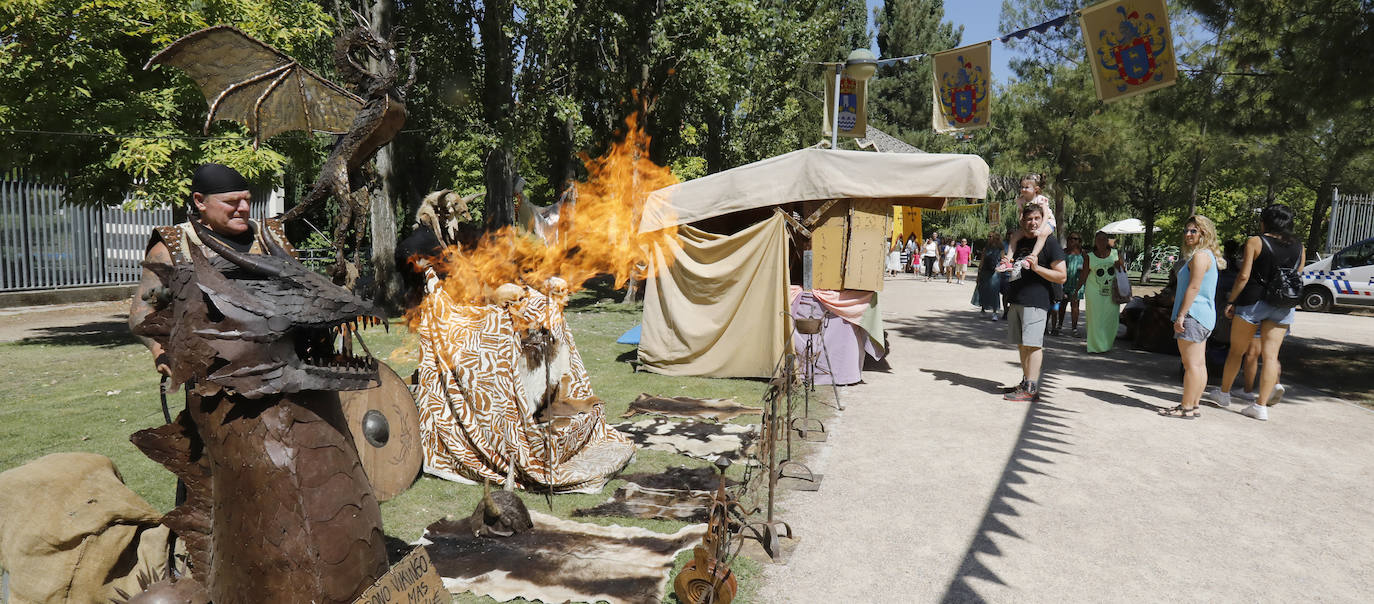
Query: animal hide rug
[(719, 409), (558, 560), (701, 440), (634, 501)]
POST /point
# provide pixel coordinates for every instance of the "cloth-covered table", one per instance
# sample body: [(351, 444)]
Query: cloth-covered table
[(838, 350)]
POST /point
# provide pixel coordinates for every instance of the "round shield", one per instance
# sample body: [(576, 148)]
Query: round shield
[(385, 426)]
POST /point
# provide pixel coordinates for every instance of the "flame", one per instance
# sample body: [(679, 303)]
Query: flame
[(597, 234)]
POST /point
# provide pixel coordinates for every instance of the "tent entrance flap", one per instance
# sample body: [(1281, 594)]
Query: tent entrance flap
[(717, 304)]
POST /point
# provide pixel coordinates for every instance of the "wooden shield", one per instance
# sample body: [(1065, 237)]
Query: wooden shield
[(385, 426)]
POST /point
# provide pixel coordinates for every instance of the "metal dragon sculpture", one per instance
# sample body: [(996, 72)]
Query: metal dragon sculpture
[(247, 81), (277, 507)]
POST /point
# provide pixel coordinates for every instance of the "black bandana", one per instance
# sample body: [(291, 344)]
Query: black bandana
[(209, 179)]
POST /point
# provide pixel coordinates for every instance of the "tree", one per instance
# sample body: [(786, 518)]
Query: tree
[(900, 94), (74, 72), (1294, 52)]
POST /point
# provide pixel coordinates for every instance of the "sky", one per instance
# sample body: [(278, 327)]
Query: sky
[(979, 18)]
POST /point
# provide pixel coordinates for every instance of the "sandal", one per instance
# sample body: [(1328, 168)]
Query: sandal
[(1181, 413)]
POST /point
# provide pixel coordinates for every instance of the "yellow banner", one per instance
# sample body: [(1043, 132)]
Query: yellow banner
[(962, 88), (1130, 47), (853, 114)]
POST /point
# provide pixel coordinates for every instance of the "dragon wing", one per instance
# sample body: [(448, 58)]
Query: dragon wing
[(247, 81)]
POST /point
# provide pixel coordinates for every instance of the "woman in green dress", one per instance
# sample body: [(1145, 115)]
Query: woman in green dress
[(1073, 286), (1097, 276)]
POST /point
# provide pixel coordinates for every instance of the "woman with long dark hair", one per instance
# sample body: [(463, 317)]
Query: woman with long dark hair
[(1275, 247)]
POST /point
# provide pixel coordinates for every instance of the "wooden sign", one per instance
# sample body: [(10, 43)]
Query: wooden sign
[(413, 580), (865, 255)]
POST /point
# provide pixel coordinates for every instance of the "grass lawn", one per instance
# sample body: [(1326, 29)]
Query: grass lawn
[(88, 389)]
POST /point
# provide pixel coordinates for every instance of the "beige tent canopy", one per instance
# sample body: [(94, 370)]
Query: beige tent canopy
[(715, 307), (915, 179)]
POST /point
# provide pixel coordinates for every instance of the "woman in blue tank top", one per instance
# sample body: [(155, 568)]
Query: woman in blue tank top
[(1195, 312)]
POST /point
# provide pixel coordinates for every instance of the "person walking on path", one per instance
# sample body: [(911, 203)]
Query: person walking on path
[(1073, 286), (894, 258), (1195, 313), (987, 291), (962, 253), (928, 256), (1031, 298), (950, 255), (1274, 249), (1031, 184), (1098, 274)]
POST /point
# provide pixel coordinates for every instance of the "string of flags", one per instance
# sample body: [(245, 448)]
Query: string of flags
[(1129, 46)]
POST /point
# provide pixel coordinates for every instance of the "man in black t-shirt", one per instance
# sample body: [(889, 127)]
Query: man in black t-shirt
[(1030, 300)]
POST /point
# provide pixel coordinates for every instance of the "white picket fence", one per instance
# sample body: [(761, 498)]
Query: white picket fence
[(47, 244)]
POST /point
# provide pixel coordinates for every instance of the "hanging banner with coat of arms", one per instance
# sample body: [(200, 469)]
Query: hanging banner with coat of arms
[(853, 114), (1130, 47), (963, 88)]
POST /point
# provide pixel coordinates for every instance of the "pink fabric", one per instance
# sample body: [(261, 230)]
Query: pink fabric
[(847, 304), (962, 254)]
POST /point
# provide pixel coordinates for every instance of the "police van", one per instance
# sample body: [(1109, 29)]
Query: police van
[(1343, 278)]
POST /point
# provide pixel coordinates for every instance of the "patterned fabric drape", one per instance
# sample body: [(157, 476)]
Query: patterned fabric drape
[(962, 80), (477, 410)]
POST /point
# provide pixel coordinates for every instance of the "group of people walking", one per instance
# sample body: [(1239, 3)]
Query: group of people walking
[(937, 256)]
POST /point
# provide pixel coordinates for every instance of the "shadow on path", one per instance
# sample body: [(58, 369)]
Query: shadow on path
[(1039, 438), (104, 334), (1117, 399)]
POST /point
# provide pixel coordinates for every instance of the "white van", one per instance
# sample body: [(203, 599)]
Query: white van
[(1346, 277)]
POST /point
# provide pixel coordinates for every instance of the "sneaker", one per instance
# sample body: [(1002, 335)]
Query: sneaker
[(993, 317), (1015, 273), (1216, 396), (1256, 411), (1075, 331), (1248, 397), (1021, 395), (1277, 394), (1004, 266)]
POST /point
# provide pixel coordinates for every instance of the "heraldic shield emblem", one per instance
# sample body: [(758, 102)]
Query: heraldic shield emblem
[(963, 92), (1133, 48)]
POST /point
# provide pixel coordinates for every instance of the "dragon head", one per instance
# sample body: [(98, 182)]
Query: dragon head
[(267, 326)]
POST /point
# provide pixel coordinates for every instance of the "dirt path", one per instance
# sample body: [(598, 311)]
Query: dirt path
[(97, 318), (936, 489)]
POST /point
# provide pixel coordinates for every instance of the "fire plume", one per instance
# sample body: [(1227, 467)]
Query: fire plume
[(595, 235)]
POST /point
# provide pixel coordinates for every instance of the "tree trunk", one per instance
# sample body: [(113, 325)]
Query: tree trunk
[(1316, 232), (386, 281), (500, 181), (1149, 243), (497, 101)]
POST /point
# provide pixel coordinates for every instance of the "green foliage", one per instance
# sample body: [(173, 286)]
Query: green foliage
[(899, 94), (77, 66)]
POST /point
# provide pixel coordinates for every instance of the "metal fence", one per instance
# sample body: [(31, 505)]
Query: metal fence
[(1352, 220), (47, 244)]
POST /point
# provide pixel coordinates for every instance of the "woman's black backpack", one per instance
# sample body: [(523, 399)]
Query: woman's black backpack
[(1283, 286)]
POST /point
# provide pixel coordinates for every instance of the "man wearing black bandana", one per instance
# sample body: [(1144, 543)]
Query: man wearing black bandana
[(219, 201)]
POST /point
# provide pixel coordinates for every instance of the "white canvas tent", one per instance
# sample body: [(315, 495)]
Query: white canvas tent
[(1129, 226), (915, 179), (717, 304)]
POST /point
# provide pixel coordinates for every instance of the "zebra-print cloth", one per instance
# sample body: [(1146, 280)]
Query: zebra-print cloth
[(476, 414)]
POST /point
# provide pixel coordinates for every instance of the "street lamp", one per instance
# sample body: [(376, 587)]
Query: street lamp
[(860, 65)]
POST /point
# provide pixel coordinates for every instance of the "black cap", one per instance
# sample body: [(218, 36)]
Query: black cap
[(209, 179)]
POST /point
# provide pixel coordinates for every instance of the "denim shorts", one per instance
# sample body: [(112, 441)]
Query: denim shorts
[(1193, 331), (1263, 311)]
